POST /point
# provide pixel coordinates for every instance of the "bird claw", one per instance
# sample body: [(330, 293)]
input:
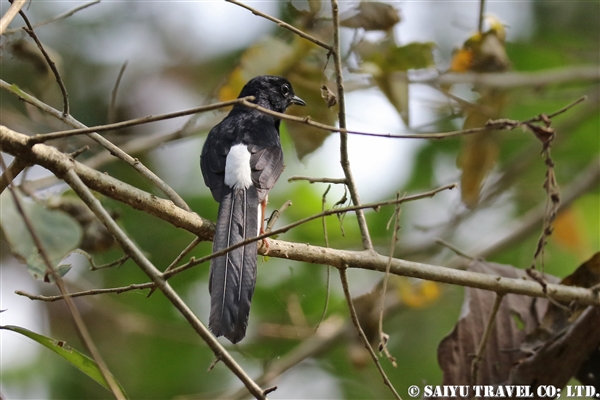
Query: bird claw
[(265, 244)]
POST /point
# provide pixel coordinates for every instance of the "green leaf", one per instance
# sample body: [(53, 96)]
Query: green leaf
[(58, 232), (77, 359)]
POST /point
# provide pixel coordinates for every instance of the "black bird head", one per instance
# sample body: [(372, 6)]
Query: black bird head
[(272, 92)]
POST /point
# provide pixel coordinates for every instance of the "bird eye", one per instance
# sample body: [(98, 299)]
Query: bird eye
[(286, 89)]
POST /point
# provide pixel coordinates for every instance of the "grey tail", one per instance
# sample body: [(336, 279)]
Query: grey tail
[(233, 275)]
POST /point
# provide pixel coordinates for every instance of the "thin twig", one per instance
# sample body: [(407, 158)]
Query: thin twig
[(80, 326), (276, 214), (16, 144), (91, 292), (10, 14), (361, 333), (516, 80), (13, 170), (183, 253), (112, 107), (481, 16), (180, 257), (57, 17), (452, 247), (111, 147), (382, 338), (51, 64), (485, 338), (193, 262), (344, 159), (284, 25), (328, 273), (43, 137), (317, 180), (57, 162), (286, 228), (155, 275)]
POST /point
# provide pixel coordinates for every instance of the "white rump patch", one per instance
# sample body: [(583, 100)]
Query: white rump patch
[(238, 174)]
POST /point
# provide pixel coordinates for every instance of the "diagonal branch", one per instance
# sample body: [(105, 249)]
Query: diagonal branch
[(80, 326), (111, 147), (10, 14), (284, 25), (153, 273), (361, 333)]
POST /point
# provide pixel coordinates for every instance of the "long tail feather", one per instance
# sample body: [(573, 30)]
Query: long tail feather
[(233, 275)]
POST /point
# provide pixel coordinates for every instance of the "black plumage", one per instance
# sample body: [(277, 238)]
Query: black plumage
[(241, 161)]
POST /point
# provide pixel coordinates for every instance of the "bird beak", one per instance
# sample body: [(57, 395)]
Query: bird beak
[(298, 100)]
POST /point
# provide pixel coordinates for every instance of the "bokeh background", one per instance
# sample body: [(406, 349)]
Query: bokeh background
[(184, 54)]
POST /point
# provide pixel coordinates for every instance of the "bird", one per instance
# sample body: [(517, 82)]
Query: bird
[(241, 160)]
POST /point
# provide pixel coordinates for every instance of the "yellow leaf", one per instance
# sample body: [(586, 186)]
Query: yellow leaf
[(568, 228), (417, 294)]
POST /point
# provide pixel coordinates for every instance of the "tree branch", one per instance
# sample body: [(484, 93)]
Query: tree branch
[(344, 159), (284, 25), (155, 275), (361, 333), (80, 326), (115, 150), (50, 158), (518, 80), (10, 14)]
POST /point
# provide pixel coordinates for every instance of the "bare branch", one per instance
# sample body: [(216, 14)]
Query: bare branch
[(344, 159), (361, 333), (10, 14), (50, 158), (112, 148), (80, 326), (284, 25), (112, 107), (153, 273), (13, 170), (57, 162), (57, 17), (518, 80), (51, 64), (44, 137), (393, 241), (481, 16), (91, 292), (317, 180), (484, 339)]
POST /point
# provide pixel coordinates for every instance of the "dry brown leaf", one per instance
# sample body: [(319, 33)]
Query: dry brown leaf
[(516, 317), (372, 16)]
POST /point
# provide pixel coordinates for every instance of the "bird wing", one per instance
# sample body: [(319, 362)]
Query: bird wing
[(212, 163), (267, 165)]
